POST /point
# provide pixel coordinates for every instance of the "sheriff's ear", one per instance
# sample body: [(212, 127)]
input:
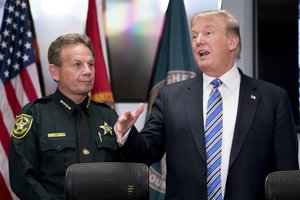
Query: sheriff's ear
[(55, 72)]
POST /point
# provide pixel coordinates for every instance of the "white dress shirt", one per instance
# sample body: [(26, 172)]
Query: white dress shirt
[(229, 90)]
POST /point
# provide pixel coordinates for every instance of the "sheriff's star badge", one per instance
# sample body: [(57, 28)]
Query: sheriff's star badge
[(106, 128)]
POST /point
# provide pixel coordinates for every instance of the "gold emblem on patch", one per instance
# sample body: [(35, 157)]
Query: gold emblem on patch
[(106, 128), (22, 125)]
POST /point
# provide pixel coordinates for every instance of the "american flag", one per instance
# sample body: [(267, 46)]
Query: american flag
[(19, 77)]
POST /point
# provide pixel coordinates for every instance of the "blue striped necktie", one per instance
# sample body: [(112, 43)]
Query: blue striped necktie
[(213, 141)]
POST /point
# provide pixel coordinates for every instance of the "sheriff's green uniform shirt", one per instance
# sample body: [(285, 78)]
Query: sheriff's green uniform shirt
[(44, 144)]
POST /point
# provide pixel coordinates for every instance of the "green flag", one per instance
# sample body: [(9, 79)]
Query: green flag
[(174, 62)]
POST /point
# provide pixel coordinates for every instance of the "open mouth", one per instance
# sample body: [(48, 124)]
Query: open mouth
[(203, 53)]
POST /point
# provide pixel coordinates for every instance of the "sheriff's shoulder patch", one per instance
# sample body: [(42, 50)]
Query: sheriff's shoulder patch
[(22, 126)]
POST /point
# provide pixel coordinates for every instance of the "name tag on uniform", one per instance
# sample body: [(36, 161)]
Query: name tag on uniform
[(56, 134)]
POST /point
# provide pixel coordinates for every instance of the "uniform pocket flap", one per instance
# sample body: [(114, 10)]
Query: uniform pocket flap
[(57, 143), (107, 141)]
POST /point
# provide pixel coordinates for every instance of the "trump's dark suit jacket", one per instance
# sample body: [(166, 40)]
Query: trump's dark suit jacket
[(264, 139)]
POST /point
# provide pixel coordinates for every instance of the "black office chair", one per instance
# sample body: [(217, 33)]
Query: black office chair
[(283, 185), (107, 181)]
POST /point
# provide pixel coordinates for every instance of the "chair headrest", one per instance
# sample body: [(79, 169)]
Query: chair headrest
[(107, 181), (283, 185)]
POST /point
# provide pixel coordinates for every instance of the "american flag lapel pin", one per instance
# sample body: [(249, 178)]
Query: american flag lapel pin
[(253, 97)]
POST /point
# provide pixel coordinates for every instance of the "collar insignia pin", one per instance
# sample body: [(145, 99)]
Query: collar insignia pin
[(65, 104)]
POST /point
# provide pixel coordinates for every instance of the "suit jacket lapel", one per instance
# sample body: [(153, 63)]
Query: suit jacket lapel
[(248, 100), (194, 96)]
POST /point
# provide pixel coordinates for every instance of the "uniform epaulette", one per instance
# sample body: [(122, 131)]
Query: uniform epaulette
[(103, 105), (32, 103), (42, 100)]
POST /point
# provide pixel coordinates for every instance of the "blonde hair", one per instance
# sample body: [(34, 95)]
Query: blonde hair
[(231, 24)]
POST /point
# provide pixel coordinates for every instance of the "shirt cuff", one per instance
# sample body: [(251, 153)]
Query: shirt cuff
[(121, 141)]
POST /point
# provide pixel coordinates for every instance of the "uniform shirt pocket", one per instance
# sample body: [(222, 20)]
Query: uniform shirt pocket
[(107, 149), (57, 153), (107, 141)]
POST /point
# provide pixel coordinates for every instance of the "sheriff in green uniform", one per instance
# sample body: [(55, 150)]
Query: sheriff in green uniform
[(45, 140)]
